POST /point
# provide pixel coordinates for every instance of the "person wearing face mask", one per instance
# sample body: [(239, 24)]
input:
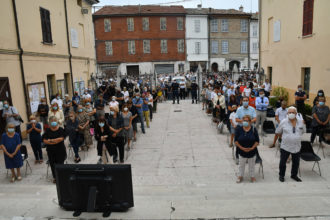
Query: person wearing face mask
[(219, 103), (113, 102), (57, 113), (102, 135), (233, 124), (91, 112), (120, 98), (84, 127), (53, 138), (67, 107), (320, 93), (194, 91), (11, 115), (42, 112), (252, 100), (321, 117), (76, 139), (150, 104), (86, 97), (10, 145), (291, 129), (267, 87), (99, 105), (262, 103), (245, 109), (246, 140), (145, 109), (175, 91), (34, 129), (125, 94), (300, 97), (57, 100), (128, 129), (137, 103), (75, 100), (280, 114)]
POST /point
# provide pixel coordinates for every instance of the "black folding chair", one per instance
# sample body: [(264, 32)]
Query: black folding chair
[(307, 154), (270, 113), (25, 156), (261, 167), (324, 139), (269, 128)]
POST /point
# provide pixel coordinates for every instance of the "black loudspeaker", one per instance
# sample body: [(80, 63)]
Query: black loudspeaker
[(94, 188)]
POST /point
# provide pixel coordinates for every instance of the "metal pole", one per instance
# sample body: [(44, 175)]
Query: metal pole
[(198, 75)]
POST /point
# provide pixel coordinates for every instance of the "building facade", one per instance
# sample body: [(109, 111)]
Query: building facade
[(254, 41), (138, 40), (47, 48), (294, 45), (229, 39), (197, 39)]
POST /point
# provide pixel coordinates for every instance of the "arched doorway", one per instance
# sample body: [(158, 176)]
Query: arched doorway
[(215, 67), (232, 64), (256, 66)]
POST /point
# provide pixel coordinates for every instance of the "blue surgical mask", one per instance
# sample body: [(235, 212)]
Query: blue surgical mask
[(58, 97), (245, 104), (88, 103), (80, 110), (245, 124), (53, 124), (299, 89), (320, 94), (55, 107), (5, 106), (112, 113), (101, 124), (137, 97), (321, 103), (11, 130)]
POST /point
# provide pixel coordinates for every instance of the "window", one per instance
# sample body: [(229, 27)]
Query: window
[(145, 24), (255, 47), (270, 74), (130, 24), (146, 46), (215, 47), (308, 17), (197, 26), (244, 25), (244, 46), (214, 25), (224, 25), (45, 26), (163, 46), (131, 47), (181, 46), (197, 47), (224, 47), (255, 30), (107, 25), (163, 24), (306, 77), (181, 67), (179, 23)]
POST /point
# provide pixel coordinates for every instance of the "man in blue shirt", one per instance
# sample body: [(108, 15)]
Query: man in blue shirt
[(138, 102), (145, 109), (245, 110), (300, 97), (262, 103)]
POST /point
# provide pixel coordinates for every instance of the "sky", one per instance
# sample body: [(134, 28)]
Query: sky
[(249, 5)]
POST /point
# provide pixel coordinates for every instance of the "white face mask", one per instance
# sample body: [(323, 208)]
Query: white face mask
[(33, 121), (291, 116), (125, 109)]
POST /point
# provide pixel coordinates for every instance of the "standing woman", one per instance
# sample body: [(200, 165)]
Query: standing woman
[(84, 128), (116, 125), (128, 129), (155, 99), (34, 129), (53, 138), (11, 144), (102, 135), (91, 112), (246, 140), (42, 112), (57, 113), (76, 139)]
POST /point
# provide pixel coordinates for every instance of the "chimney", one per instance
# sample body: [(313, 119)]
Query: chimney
[(199, 6), (241, 8)]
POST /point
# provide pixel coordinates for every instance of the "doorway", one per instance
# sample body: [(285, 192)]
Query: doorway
[(232, 64), (51, 87), (215, 67), (133, 71)]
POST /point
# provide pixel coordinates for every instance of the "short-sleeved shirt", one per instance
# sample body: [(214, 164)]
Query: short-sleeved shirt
[(242, 111), (247, 92), (99, 104), (291, 138), (10, 111), (322, 114), (246, 140), (58, 101), (138, 102), (34, 135), (56, 148), (145, 107), (281, 113), (300, 94), (232, 117), (43, 110)]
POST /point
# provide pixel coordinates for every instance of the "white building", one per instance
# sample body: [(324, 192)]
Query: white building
[(197, 38), (254, 41)]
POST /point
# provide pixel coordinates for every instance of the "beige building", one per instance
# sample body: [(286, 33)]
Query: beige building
[(229, 39), (294, 44), (46, 47)]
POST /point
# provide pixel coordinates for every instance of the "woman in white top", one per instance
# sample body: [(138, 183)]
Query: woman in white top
[(57, 113)]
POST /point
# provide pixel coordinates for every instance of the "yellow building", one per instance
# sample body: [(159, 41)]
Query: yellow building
[(46, 47), (295, 46)]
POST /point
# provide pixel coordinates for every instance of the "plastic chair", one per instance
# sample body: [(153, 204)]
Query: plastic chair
[(269, 128), (323, 140), (307, 154)]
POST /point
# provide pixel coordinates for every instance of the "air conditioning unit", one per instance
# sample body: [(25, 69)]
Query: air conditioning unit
[(84, 11)]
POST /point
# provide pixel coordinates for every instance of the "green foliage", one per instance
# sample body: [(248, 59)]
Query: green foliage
[(308, 109), (272, 101), (281, 92)]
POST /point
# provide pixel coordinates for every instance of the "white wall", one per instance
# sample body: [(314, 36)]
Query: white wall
[(254, 55)]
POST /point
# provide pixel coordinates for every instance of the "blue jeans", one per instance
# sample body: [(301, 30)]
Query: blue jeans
[(142, 121), (75, 146), (36, 147)]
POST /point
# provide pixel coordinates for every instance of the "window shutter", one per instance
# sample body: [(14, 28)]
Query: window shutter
[(308, 17), (49, 31)]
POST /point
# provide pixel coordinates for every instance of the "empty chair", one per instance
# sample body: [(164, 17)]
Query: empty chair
[(268, 128), (307, 154), (270, 113), (25, 156), (324, 139)]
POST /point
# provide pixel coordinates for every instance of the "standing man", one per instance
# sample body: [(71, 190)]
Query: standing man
[(321, 117), (280, 114), (11, 115), (182, 91), (57, 100), (300, 97), (262, 103), (175, 91), (267, 88), (194, 88), (138, 102), (291, 130)]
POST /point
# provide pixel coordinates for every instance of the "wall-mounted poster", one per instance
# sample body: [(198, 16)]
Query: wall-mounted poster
[(36, 91)]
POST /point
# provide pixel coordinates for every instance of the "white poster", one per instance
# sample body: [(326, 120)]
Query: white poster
[(74, 38), (42, 93), (35, 93), (34, 106)]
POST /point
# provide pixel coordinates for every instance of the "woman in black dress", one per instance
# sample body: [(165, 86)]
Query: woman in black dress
[(102, 135), (53, 138)]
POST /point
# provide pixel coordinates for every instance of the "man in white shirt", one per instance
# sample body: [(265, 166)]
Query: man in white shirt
[(86, 96), (233, 125), (113, 102), (126, 94), (280, 114), (57, 100), (267, 87), (291, 130)]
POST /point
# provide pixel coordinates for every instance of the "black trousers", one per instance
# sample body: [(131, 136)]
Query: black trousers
[(56, 157), (150, 111), (119, 142), (175, 96), (194, 95), (295, 162), (182, 93), (316, 131)]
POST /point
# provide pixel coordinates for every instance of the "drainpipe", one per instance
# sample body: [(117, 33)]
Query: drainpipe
[(21, 59), (68, 40), (249, 42)]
